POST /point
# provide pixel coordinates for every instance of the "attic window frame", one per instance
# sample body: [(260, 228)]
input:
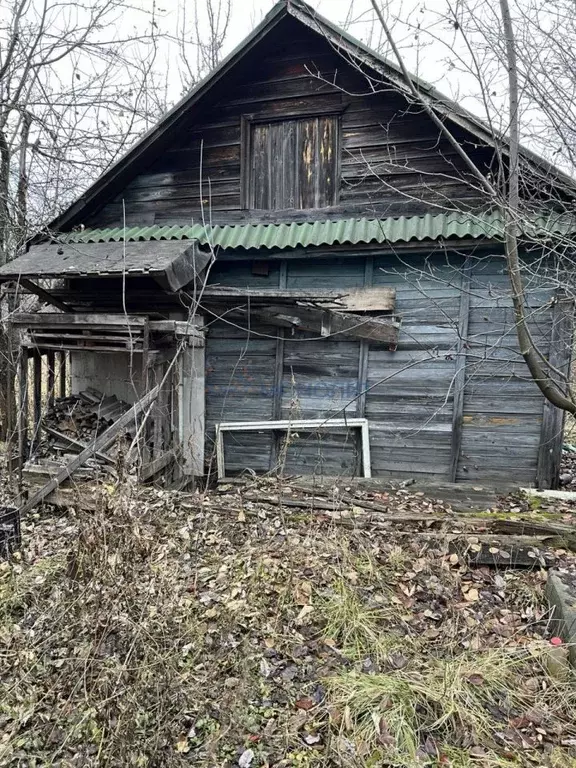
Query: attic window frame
[(249, 119)]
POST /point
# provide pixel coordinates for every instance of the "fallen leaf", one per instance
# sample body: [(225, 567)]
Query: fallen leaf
[(305, 703), (472, 595), (306, 611), (302, 593)]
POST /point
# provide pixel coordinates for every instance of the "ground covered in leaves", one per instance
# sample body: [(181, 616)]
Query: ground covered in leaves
[(221, 629)]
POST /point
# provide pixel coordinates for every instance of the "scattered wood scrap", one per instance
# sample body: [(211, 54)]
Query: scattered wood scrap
[(493, 539)]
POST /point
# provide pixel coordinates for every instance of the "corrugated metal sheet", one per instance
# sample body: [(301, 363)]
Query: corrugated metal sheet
[(353, 231)]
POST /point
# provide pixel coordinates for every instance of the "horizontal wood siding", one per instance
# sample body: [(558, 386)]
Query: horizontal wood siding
[(502, 405), (409, 402), (410, 389), (320, 376), (239, 376), (392, 159)]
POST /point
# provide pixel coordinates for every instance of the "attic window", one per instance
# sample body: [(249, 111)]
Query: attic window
[(292, 163)]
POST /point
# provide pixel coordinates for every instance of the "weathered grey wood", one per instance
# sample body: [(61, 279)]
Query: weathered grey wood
[(293, 163), (46, 297), (364, 344), (559, 357), (51, 378), (147, 471), (22, 414), (100, 444), (367, 299), (100, 320), (63, 374), (37, 398), (290, 294), (460, 374), (294, 425), (180, 328), (76, 443), (175, 262), (191, 411), (328, 323), (278, 373)]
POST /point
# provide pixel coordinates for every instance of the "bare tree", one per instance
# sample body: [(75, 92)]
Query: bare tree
[(499, 47), (201, 38), (78, 84)]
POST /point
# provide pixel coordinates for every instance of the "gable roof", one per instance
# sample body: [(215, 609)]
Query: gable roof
[(344, 44)]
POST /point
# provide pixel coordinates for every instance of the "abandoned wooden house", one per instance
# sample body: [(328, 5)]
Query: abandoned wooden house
[(304, 273)]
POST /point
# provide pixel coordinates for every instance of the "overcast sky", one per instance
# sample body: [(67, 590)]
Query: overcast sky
[(422, 55), (431, 53)]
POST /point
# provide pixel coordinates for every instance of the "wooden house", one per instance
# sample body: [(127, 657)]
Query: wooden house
[(322, 261)]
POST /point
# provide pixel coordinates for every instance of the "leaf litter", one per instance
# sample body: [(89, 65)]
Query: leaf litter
[(232, 628)]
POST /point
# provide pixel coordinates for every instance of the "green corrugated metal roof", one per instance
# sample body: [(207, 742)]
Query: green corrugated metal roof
[(353, 231)]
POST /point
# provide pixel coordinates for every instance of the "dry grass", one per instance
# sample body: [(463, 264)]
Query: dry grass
[(172, 630)]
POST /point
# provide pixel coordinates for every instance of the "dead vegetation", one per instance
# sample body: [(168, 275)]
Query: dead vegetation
[(173, 629)]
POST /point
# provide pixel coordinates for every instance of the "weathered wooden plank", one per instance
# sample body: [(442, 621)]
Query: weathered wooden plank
[(559, 357), (380, 299), (459, 383), (22, 413), (100, 320), (63, 373), (290, 294), (279, 364), (44, 295), (37, 398), (152, 468), (51, 378), (78, 444), (364, 350), (327, 323)]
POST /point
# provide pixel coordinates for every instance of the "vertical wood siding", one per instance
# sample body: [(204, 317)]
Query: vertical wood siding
[(292, 163)]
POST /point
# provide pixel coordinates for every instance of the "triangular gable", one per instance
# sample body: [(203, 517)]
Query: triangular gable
[(343, 44)]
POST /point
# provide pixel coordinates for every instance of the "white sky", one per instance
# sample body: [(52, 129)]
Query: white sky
[(432, 54), (423, 56)]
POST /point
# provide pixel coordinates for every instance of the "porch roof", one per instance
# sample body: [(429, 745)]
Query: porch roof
[(174, 264)]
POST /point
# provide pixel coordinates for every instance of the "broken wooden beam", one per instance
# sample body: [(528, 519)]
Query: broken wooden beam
[(325, 322), (379, 299), (44, 295), (100, 444)]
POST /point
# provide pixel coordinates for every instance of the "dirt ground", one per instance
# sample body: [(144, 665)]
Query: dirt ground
[(265, 625)]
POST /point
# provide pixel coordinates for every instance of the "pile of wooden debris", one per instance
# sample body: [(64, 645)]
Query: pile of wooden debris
[(71, 424), (82, 416)]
